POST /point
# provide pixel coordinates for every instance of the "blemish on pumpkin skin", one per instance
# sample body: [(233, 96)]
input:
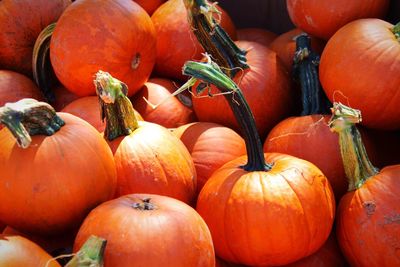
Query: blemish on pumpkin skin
[(135, 61), (369, 207), (392, 219)]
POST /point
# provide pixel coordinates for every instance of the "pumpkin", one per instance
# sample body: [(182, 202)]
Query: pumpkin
[(359, 66), (324, 18), (149, 230), (211, 145), (150, 5), (88, 108), (257, 35), (148, 157), (62, 97), (114, 35), (170, 111), (368, 215), (257, 204), (221, 263), (266, 87), (21, 22), (175, 41), (16, 251), (285, 45), (62, 172)]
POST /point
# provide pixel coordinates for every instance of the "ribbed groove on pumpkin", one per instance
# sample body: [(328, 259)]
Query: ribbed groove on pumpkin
[(357, 166)]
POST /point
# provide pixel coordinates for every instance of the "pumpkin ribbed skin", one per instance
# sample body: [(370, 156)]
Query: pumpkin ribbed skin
[(21, 23), (170, 235), (359, 66), (266, 87), (211, 145), (115, 36), (368, 220), (323, 18), (61, 177), (172, 113), (257, 35), (176, 43), (152, 160), (17, 251), (268, 218)]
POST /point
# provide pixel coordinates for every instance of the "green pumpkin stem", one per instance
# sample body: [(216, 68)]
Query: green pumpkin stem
[(115, 107), (209, 72), (213, 38), (43, 72), (29, 117), (305, 71), (357, 166), (90, 254), (396, 31)]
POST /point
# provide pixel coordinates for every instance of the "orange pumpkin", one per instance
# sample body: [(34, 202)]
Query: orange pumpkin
[(114, 35), (149, 230), (17, 251), (21, 23), (257, 35)]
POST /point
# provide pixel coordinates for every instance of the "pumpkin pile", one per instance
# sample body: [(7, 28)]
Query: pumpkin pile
[(156, 133)]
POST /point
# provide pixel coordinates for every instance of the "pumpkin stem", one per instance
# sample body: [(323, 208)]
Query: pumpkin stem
[(115, 106), (305, 70), (396, 31), (29, 117), (43, 72), (209, 72), (213, 38), (357, 166), (90, 254), (144, 205)]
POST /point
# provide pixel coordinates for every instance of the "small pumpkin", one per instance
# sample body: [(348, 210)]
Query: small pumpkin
[(149, 230)]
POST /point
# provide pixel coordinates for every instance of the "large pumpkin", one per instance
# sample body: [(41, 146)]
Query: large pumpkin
[(21, 22), (51, 185), (17, 251), (359, 66), (117, 36), (149, 230), (175, 41), (323, 18)]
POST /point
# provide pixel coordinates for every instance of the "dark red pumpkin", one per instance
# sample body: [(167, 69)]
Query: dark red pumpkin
[(21, 22), (62, 98), (50, 186), (257, 35), (172, 111), (266, 87), (149, 230), (211, 145), (359, 67), (17, 251), (150, 5), (322, 18), (175, 41), (91, 35)]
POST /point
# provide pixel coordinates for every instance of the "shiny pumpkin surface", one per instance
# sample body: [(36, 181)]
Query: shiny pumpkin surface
[(52, 185), (267, 218), (171, 234)]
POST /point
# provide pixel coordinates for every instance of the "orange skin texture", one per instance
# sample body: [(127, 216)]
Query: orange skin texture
[(266, 87), (171, 235), (114, 36), (258, 35), (62, 98), (368, 220), (267, 218), (176, 43), (17, 251), (284, 46), (172, 113), (88, 108), (60, 244), (329, 255), (150, 5), (61, 177), (211, 145), (152, 160), (323, 18), (371, 52), (21, 23)]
